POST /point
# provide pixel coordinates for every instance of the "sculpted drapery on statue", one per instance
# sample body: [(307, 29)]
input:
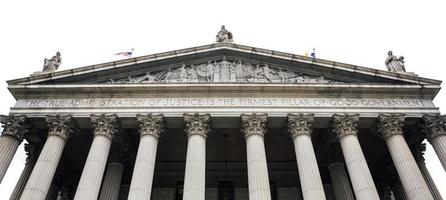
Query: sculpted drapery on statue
[(395, 64), (224, 35), (51, 65)]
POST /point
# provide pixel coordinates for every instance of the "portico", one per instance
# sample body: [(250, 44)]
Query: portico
[(223, 121)]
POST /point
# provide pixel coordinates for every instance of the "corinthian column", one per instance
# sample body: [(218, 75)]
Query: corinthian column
[(390, 128), (32, 152), (300, 129), (346, 129), (339, 180), (60, 128), (436, 135), (14, 131), (253, 127), (104, 128), (197, 129), (150, 129)]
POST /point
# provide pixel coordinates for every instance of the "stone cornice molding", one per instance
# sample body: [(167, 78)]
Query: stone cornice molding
[(254, 124), (60, 125), (346, 124), (300, 124), (150, 124), (14, 126), (106, 125), (434, 125), (197, 124), (390, 125)]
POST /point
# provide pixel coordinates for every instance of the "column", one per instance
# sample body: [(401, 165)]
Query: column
[(390, 128), (32, 152), (253, 127), (60, 128), (150, 128), (340, 181), (418, 150), (53, 192), (197, 129), (14, 130), (398, 191), (345, 128), (300, 129), (435, 126), (112, 181), (104, 128)]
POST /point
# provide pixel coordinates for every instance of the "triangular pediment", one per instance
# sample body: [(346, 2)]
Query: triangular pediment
[(223, 63)]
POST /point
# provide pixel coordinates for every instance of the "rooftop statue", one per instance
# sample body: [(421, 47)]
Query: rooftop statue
[(51, 65), (395, 64), (224, 35)]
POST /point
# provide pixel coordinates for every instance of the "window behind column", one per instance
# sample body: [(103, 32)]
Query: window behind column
[(226, 190)]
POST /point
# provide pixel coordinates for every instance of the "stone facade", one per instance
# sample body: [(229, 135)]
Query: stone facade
[(223, 121)]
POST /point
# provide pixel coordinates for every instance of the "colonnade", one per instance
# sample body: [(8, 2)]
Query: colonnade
[(197, 127)]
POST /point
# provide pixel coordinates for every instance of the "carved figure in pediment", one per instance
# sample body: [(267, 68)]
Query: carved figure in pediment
[(395, 64), (225, 69), (182, 74), (51, 65), (170, 76), (205, 72), (192, 71), (147, 78)]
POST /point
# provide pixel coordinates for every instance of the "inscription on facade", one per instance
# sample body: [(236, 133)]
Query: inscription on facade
[(224, 102)]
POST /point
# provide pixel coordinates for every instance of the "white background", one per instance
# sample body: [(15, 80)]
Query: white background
[(87, 32)]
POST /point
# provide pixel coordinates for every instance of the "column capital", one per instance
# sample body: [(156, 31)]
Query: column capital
[(390, 125), (106, 125), (346, 124), (434, 125), (150, 124), (15, 126), (254, 124), (300, 124), (197, 124), (60, 125)]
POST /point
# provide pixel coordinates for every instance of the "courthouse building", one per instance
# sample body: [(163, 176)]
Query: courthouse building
[(223, 122)]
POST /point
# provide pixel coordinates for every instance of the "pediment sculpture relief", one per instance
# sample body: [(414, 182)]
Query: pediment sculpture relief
[(223, 71)]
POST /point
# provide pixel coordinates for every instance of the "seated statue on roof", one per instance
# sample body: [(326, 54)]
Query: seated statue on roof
[(51, 65), (395, 64), (224, 35)]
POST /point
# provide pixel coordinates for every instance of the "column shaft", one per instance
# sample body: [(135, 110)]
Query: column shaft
[(430, 183), (310, 179), (40, 180), (141, 185), (112, 182), (90, 182), (14, 130), (439, 145), (8, 147), (53, 193), (197, 128), (398, 191), (410, 176), (258, 180), (340, 181), (150, 129), (194, 179), (20, 185), (359, 172)]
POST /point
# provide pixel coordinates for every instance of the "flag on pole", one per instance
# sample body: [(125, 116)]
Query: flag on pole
[(125, 53), (313, 54)]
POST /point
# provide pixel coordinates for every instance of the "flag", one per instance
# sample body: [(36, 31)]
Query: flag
[(125, 53), (313, 54)]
